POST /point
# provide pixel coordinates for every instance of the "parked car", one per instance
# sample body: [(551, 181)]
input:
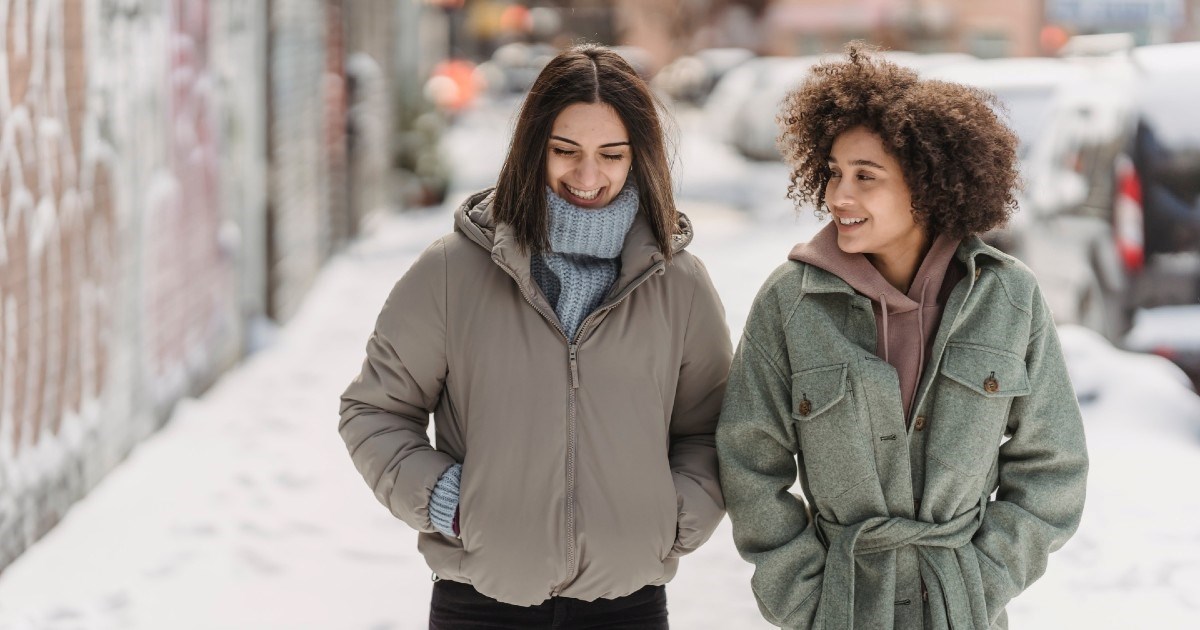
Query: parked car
[(691, 78), (1110, 216), (1054, 109), (754, 128), (1161, 168), (742, 107)]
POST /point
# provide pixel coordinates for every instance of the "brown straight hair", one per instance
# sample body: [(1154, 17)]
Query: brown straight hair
[(586, 73)]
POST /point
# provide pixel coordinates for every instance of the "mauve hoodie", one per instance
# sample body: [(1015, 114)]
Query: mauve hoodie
[(905, 324)]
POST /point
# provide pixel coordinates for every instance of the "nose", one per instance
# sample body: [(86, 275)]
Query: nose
[(836, 196), (587, 173)]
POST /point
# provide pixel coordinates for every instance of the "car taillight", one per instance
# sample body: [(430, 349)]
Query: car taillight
[(1128, 225)]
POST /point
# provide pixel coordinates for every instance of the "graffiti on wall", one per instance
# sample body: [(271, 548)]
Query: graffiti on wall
[(189, 279), (116, 296), (56, 255)]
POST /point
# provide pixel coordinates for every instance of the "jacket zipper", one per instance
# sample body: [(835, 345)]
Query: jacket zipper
[(574, 375), (573, 367)]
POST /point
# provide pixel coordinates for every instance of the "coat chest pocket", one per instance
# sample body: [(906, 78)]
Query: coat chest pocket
[(978, 388), (834, 441)]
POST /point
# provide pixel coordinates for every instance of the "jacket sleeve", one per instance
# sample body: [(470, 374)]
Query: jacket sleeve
[(1042, 475), (758, 454), (698, 394), (385, 410)]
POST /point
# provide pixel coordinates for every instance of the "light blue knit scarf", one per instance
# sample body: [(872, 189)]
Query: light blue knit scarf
[(584, 257)]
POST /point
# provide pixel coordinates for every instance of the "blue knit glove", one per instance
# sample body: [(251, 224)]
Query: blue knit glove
[(443, 504)]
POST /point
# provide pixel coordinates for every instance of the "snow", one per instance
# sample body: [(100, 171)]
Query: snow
[(1166, 327), (245, 511)]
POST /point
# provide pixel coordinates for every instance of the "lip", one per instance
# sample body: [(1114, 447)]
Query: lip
[(847, 228), (584, 203)]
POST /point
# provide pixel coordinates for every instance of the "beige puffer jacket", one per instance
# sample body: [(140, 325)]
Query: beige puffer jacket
[(589, 464)]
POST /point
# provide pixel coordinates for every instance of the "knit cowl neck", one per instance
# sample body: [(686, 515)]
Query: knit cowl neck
[(583, 261), (597, 232)]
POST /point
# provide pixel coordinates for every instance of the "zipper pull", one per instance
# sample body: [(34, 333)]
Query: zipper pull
[(574, 367)]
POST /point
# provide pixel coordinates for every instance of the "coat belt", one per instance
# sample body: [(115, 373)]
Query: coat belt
[(936, 544)]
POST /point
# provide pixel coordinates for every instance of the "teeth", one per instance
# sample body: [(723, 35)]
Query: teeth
[(845, 221), (588, 195)]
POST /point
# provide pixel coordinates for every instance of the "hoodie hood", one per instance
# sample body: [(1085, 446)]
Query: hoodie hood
[(905, 322), (858, 272)]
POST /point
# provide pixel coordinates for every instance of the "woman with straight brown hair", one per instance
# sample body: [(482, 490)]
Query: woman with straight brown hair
[(574, 358)]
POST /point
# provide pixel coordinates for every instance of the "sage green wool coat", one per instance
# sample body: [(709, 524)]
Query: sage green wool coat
[(901, 529)]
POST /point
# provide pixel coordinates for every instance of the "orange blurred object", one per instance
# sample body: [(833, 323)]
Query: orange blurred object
[(516, 19), (453, 85), (1052, 38)]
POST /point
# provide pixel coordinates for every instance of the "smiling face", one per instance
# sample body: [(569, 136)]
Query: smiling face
[(870, 201), (588, 157)]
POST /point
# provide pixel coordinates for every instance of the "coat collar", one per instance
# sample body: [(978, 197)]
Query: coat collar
[(640, 255), (972, 252)]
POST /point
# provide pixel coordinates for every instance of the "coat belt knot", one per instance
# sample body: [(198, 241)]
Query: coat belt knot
[(936, 544)]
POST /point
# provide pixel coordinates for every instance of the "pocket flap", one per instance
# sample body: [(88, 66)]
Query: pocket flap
[(988, 371), (815, 390)]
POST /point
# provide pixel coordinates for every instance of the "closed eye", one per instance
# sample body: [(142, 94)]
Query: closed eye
[(562, 152), (615, 158)]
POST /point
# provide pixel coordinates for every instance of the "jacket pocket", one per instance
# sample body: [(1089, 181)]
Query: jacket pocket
[(834, 441), (989, 372), (465, 537), (978, 388), (996, 586)]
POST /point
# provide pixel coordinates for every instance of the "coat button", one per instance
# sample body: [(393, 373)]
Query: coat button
[(805, 407), (920, 423), (990, 384)]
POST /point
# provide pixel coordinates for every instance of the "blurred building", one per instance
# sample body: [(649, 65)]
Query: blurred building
[(174, 172), (984, 28)]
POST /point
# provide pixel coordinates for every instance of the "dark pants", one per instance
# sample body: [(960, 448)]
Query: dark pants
[(459, 606)]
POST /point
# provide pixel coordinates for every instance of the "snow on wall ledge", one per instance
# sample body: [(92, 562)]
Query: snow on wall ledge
[(117, 296)]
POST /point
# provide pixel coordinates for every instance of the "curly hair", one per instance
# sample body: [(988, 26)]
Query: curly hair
[(958, 158)]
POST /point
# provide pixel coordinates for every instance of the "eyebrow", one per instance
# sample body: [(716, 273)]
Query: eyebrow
[(859, 163), (603, 146)]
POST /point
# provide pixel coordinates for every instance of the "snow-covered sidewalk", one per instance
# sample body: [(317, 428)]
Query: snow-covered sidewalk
[(245, 512)]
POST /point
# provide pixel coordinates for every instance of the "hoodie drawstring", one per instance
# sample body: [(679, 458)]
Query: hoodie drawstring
[(921, 350), (883, 307)]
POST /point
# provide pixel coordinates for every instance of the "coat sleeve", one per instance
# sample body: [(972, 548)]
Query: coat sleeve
[(1042, 475), (385, 410), (758, 455), (698, 394)]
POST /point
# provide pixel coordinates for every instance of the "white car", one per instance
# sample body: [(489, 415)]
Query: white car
[(1110, 215), (1068, 137)]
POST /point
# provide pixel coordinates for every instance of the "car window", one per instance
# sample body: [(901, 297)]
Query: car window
[(1028, 109), (1168, 104)]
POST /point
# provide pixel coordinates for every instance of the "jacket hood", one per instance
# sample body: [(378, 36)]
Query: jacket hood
[(640, 253), (823, 252)]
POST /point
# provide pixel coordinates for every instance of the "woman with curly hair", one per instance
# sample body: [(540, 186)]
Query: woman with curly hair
[(573, 355), (908, 374)]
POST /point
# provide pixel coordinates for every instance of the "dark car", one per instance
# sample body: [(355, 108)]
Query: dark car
[(1164, 175)]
